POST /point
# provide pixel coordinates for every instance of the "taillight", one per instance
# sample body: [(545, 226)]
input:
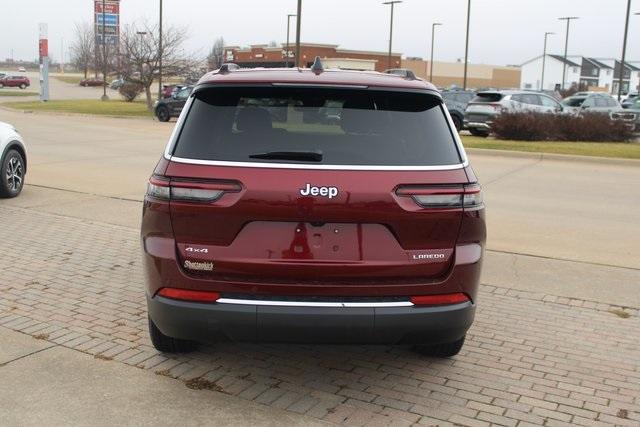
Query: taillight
[(189, 295), (190, 191), (158, 188), (442, 299), (497, 107), (472, 198), (455, 197)]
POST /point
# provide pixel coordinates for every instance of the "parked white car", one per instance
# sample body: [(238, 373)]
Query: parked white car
[(13, 161)]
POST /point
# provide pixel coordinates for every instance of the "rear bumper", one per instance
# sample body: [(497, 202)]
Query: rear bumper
[(301, 324), (477, 125)]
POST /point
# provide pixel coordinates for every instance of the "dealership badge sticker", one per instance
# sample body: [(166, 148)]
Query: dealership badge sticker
[(198, 266)]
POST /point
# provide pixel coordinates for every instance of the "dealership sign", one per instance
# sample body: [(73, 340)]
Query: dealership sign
[(43, 51), (107, 21)]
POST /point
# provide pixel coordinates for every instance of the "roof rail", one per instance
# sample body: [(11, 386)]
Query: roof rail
[(317, 66), (226, 68)]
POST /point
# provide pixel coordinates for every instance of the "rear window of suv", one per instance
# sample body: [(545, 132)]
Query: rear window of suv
[(488, 97), (321, 126)]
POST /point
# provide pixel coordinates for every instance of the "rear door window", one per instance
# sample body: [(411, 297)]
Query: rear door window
[(548, 102), (601, 102), (317, 126), (531, 99)]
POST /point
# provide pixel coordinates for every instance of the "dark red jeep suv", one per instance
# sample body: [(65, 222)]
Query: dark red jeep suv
[(311, 205)]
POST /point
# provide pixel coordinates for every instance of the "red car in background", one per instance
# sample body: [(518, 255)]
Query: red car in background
[(15, 81), (312, 205), (91, 82), (169, 90)]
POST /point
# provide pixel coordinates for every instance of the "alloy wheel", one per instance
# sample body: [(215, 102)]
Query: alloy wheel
[(15, 174)]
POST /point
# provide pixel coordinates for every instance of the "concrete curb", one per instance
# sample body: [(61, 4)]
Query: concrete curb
[(552, 156), (65, 114)]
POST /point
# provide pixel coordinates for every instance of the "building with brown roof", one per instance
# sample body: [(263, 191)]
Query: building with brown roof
[(262, 55)]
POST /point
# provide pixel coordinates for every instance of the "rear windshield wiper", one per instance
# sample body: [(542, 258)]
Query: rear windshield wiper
[(300, 156)]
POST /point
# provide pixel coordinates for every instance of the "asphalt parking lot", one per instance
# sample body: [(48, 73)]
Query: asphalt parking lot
[(555, 339)]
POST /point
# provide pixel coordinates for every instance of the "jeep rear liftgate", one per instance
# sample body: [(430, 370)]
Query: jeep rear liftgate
[(371, 229)]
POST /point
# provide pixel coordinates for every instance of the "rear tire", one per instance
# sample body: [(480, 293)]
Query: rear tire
[(167, 344), (457, 122), (478, 132), (23, 86), (440, 350), (1, 85), (162, 113)]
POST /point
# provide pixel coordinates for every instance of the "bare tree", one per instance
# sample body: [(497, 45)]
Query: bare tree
[(215, 59), (83, 47), (140, 55)]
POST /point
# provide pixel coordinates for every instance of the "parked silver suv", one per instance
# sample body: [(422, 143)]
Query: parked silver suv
[(487, 105), (592, 102)]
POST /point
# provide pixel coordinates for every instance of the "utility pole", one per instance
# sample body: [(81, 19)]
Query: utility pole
[(544, 59), (466, 47), (160, 54), (624, 51), (392, 4), (104, 54), (566, 46), (433, 36), (287, 48), (298, 25)]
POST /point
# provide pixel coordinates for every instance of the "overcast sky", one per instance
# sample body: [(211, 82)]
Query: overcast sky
[(502, 31)]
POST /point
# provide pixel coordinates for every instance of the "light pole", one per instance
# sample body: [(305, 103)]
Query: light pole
[(298, 25), (433, 36), (160, 54), (289, 16), (392, 4), (544, 58), (624, 51), (566, 46), (466, 47)]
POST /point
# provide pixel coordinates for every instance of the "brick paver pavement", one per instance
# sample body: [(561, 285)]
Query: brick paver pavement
[(529, 358)]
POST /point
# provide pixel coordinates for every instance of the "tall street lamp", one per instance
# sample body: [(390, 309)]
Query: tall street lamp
[(392, 4), (544, 58), (566, 46), (289, 16), (298, 25), (466, 47), (624, 51), (160, 54), (433, 36)]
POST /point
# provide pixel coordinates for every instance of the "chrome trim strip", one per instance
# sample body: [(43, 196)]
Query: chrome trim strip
[(177, 128), (312, 166), (456, 137), (314, 304)]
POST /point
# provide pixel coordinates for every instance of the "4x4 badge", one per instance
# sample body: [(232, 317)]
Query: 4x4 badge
[(310, 190)]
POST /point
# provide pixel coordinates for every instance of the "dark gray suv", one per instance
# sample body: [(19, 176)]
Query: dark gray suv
[(456, 102)]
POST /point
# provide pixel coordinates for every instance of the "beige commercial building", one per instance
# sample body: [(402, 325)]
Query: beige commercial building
[(446, 74)]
